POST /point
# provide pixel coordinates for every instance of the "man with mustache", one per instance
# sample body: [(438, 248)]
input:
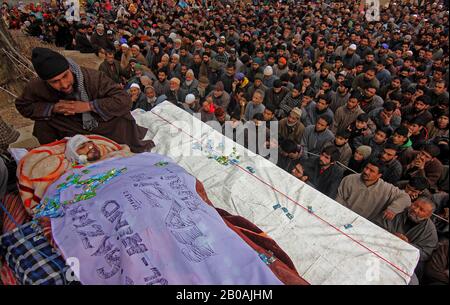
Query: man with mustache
[(370, 196), (81, 150), (415, 227), (68, 99), (323, 173)]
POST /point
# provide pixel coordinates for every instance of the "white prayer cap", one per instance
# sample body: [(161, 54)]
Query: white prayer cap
[(135, 46), (352, 46), (109, 32), (297, 112), (190, 71), (190, 98), (268, 71), (116, 43), (125, 45), (100, 26), (175, 80), (134, 85), (72, 146), (172, 36)]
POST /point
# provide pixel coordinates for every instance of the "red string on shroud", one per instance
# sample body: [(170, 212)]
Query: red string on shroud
[(298, 204)]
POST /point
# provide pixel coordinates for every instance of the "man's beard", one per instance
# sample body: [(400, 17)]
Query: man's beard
[(367, 98), (93, 154), (321, 111), (291, 124), (414, 218)]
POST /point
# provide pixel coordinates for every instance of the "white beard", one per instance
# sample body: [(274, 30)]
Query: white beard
[(414, 218)]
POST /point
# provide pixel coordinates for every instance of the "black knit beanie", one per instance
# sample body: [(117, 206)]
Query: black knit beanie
[(48, 63)]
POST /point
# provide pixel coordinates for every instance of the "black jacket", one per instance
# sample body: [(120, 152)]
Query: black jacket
[(326, 182), (83, 44)]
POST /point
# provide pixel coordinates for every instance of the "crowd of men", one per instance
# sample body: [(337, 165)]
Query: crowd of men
[(360, 105)]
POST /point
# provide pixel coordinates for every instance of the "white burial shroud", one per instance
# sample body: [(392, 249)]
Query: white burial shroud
[(322, 249)]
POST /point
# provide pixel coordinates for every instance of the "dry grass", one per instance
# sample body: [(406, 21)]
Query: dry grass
[(25, 45)]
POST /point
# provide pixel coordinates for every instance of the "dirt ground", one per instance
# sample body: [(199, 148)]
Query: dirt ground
[(7, 109)]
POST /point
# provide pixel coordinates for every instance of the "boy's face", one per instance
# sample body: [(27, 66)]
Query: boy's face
[(398, 139), (358, 156), (361, 124), (295, 93), (268, 115), (321, 105), (340, 141), (298, 171), (415, 129), (379, 137)]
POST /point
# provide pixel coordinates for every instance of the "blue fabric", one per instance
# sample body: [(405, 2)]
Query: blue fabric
[(31, 258)]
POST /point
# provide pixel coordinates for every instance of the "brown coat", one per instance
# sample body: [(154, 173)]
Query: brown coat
[(114, 71), (344, 117), (296, 134), (111, 109), (432, 170)]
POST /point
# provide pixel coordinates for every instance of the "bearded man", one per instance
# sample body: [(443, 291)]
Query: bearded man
[(68, 99), (414, 226)]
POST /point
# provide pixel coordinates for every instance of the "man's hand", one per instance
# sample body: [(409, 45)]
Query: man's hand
[(234, 84), (272, 144), (71, 107), (388, 94), (319, 93), (366, 132), (134, 98), (388, 214), (419, 162), (386, 118), (242, 102), (63, 108), (400, 235)]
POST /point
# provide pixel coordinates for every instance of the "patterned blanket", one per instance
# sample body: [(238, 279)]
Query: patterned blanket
[(40, 169), (45, 164), (31, 258), (141, 221)]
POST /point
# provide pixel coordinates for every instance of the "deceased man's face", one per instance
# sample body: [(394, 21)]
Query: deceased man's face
[(90, 150)]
